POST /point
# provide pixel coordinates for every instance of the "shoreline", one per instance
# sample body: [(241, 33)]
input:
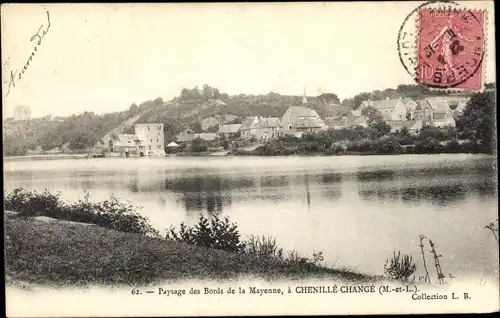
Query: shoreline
[(80, 254), (229, 154)]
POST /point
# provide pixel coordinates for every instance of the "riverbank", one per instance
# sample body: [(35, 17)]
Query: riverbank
[(48, 252), (45, 157)]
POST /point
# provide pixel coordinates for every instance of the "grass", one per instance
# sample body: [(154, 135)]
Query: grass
[(57, 253)]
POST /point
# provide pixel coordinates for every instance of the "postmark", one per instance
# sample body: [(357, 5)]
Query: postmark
[(444, 47)]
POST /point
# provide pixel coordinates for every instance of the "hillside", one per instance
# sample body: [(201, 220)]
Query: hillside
[(197, 109)]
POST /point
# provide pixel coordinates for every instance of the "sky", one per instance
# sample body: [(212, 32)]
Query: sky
[(103, 58)]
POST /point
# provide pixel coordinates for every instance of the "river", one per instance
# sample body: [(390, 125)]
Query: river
[(357, 210)]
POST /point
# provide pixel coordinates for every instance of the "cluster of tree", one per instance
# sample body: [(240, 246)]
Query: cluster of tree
[(207, 92)]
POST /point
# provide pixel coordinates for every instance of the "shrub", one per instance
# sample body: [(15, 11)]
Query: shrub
[(215, 233), (33, 203), (400, 268), (263, 247), (111, 214)]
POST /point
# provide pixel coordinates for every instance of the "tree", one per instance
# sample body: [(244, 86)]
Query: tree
[(185, 94), (207, 92), (196, 127), (329, 98), (478, 119), (358, 99), (371, 113), (348, 102), (133, 108), (379, 128)]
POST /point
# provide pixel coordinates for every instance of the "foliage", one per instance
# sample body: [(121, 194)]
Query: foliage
[(371, 113), (400, 268), (218, 233), (478, 120), (111, 214), (198, 145), (263, 247), (428, 145), (379, 128)]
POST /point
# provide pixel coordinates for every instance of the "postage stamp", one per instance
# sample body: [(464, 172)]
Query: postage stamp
[(450, 48)]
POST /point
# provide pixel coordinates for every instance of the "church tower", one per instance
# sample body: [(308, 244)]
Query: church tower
[(304, 98)]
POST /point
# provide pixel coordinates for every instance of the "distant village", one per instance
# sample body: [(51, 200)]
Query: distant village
[(400, 113), (148, 139)]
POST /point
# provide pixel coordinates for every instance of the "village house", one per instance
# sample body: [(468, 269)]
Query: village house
[(301, 119), (457, 104), (249, 127), (391, 109), (268, 128), (152, 139), (438, 110), (422, 110), (229, 131), (127, 145)]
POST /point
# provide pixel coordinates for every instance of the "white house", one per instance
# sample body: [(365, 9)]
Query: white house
[(152, 139)]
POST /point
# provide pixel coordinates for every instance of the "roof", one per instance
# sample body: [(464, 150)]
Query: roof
[(438, 104), (229, 129), (270, 122), (422, 105), (364, 104), (126, 139), (301, 111), (385, 103), (249, 123), (206, 136)]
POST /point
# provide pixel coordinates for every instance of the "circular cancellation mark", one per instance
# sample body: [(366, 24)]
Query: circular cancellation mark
[(446, 50)]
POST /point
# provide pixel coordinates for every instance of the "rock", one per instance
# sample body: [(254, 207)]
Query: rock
[(44, 219)]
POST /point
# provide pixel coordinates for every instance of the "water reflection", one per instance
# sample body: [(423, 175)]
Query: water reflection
[(439, 195), (379, 175)]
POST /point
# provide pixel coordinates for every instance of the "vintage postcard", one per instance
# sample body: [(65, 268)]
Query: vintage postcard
[(249, 158)]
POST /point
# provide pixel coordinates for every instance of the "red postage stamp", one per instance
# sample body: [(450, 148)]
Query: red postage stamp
[(451, 48)]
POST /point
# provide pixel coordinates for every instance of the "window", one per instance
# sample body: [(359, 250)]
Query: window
[(157, 140), (149, 147), (151, 140), (159, 128), (148, 127), (159, 147)]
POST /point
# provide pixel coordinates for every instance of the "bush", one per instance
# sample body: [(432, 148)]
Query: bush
[(33, 203), (400, 268), (429, 145), (263, 247), (111, 214), (198, 145), (217, 233)]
